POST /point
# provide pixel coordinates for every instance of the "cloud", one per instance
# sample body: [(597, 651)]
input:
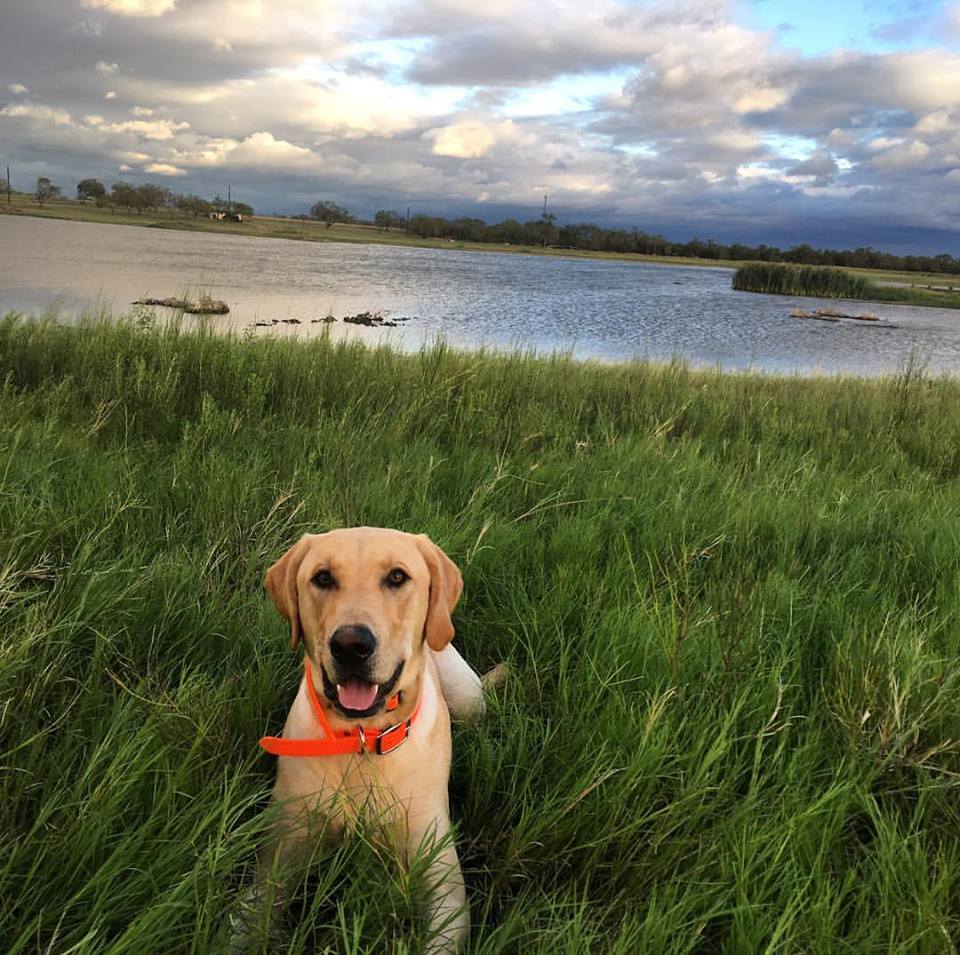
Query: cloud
[(160, 129), (669, 111), (42, 114), (470, 139), (899, 156), (510, 44), (820, 165), (132, 8), (260, 150), (760, 100), (163, 169)]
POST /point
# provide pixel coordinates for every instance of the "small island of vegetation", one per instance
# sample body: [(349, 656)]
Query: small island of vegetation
[(782, 279)]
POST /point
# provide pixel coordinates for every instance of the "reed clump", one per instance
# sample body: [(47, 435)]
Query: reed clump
[(779, 279)]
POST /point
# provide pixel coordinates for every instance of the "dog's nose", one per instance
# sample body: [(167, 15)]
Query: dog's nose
[(352, 644)]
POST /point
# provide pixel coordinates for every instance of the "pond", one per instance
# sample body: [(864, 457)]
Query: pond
[(607, 310)]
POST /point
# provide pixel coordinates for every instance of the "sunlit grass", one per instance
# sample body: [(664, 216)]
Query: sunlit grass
[(730, 606)]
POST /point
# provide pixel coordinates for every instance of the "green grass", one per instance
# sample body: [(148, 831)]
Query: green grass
[(825, 282), (730, 605)]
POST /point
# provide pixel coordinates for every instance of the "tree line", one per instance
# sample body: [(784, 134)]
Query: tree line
[(147, 197), (588, 237), (543, 231)]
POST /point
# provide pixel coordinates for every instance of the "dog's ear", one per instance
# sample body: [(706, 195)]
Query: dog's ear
[(281, 584), (446, 585)]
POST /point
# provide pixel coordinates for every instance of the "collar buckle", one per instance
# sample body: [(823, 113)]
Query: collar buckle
[(386, 742)]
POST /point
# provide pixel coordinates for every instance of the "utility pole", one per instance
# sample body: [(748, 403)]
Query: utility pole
[(408, 219), (8, 184), (543, 217), (229, 200)]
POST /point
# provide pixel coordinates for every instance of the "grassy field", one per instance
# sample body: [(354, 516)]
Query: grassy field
[(920, 279), (730, 605)]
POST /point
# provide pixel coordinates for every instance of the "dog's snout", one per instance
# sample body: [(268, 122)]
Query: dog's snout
[(352, 644)]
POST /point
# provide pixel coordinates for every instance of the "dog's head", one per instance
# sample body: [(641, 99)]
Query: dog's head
[(364, 601)]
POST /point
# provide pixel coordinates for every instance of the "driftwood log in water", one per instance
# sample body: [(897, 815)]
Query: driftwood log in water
[(831, 315), (373, 320), (205, 306)]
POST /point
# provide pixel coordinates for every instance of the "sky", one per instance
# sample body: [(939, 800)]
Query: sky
[(783, 121)]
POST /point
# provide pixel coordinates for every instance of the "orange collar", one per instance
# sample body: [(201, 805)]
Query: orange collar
[(355, 740)]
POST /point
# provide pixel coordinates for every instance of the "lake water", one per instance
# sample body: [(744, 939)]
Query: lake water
[(595, 309)]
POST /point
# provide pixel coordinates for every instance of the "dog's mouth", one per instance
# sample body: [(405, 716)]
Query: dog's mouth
[(357, 694), (356, 697)]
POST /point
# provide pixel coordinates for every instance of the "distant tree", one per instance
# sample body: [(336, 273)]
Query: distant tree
[(241, 208), (426, 226), (124, 195), (548, 229), (387, 219), (329, 212), (193, 205), (91, 189), (46, 190), (151, 196)]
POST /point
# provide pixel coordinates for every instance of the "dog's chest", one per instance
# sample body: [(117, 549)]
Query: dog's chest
[(407, 783)]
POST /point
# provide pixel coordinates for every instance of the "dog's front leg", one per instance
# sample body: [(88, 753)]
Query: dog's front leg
[(448, 917), (294, 831)]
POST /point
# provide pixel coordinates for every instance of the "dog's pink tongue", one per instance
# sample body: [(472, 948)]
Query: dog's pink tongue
[(356, 694)]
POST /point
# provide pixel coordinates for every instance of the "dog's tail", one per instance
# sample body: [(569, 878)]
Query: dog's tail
[(495, 676)]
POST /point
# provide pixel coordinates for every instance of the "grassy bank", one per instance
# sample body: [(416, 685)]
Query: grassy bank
[(730, 604), (822, 282)]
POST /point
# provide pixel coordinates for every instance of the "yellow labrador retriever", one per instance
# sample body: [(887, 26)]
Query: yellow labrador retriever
[(370, 725)]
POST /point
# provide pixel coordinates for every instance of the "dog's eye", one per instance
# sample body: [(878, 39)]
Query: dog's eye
[(397, 577), (324, 580)]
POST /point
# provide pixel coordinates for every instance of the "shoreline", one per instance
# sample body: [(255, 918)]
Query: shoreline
[(304, 230), (328, 335)]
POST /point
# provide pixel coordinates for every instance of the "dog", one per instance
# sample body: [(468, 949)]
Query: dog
[(369, 728)]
